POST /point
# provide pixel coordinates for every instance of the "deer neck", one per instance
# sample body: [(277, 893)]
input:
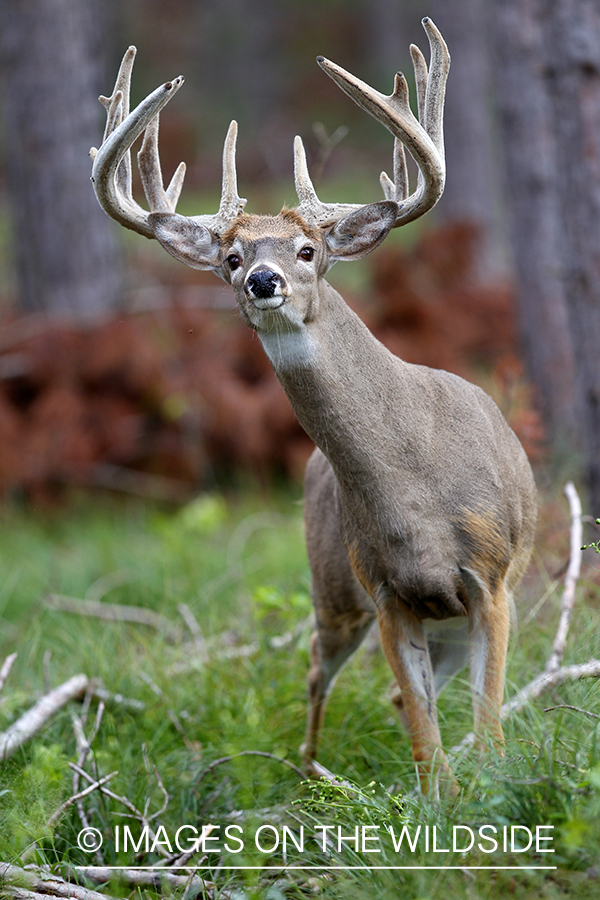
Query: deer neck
[(342, 384)]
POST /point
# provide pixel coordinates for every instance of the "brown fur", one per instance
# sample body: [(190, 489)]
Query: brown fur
[(283, 227)]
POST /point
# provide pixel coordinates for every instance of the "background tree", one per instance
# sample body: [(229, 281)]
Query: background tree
[(64, 245), (548, 89)]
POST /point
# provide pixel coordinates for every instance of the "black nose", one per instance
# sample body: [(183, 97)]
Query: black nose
[(263, 283)]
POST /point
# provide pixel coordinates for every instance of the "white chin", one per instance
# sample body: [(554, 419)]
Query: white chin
[(269, 302)]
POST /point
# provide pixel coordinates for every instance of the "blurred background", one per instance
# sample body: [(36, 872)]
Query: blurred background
[(121, 369)]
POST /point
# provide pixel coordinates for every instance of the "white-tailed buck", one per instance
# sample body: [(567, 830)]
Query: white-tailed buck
[(420, 504)]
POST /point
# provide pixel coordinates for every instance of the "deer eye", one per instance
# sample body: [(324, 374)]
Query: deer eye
[(306, 254), (234, 261)]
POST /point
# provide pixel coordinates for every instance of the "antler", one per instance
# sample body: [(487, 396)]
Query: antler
[(423, 138), (111, 172)]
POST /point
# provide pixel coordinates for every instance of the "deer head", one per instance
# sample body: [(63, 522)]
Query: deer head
[(275, 263)]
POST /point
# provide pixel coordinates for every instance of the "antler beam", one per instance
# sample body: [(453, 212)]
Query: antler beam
[(422, 137), (111, 172)]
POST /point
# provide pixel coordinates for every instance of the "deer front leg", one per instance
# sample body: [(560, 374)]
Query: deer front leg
[(404, 643)]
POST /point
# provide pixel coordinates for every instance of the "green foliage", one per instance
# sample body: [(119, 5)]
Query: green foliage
[(242, 571)]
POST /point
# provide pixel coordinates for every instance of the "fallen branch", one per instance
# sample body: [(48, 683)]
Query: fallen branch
[(568, 598), (153, 878), (548, 680), (110, 612), (263, 753), (37, 883), (79, 796), (586, 712), (35, 718), (6, 667), (135, 813)]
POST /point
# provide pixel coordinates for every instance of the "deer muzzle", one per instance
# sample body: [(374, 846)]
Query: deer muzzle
[(265, 288)]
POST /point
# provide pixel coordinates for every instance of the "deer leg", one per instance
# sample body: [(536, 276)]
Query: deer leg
[(488, 638), (332, 644), (404, 643), (449, 653)]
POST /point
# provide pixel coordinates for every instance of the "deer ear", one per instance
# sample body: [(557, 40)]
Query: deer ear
[(188, 241), (361, 231)]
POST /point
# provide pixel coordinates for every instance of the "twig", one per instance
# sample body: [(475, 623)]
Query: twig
[(317, 770), (195, 630), (46, 665), (170, 712), (586, 712), (84, 746), (111, 612), (6, 667), (99, 588), (131, 704), (146, 878), (568, 598), (126, 802), (224, 759), (74, 798), (31, 883), (537, 686), (36, 717)]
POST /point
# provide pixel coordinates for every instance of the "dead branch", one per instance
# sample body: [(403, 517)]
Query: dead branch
[(225, 759), (130, 704), (35, 718), (6, 667), (317, 770), (84, 746), (74, 798), (586, 712), (35, 883), (199, 640), (106, 583), (153, 878), (568, 598), (110, 612), (135, 813)]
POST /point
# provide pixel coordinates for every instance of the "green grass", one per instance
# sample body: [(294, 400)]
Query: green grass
[(239, 564)]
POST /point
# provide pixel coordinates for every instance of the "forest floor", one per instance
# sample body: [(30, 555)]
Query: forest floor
[(216, 667)]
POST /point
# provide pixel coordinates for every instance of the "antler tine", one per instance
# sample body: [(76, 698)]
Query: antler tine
[(435, 92), (422, 137), (231, 203), (111, 172), (310, 206), (148, 157), (117, 111), (116, 202), (420, 69)]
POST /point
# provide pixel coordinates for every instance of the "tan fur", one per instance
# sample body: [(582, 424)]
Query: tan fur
[(416, 470)]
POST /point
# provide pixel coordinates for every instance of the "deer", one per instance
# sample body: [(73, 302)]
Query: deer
[(419, 503)]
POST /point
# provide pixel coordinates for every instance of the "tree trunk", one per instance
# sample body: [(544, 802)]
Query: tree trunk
[(572, 35), (527, 130), (65, 251)]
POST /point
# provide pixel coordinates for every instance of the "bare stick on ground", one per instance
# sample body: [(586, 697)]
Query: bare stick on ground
[(111, 612), (35, 718), (568, 598), (6, 667), (225, 759), (74, 798)]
